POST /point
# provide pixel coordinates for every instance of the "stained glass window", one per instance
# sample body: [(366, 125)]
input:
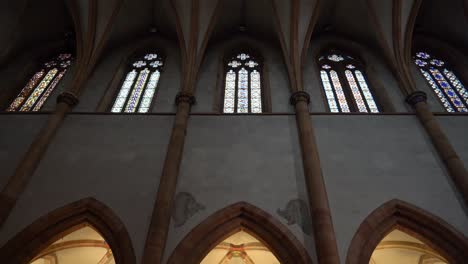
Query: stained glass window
[(345, 86), (139, 86), (443, 81), (33, 96), (243, 89)]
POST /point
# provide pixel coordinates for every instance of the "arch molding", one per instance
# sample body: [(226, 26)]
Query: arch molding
[(36, 237), (198, 243), (415, 221)]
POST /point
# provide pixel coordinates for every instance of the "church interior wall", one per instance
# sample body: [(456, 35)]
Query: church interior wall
[(456, 129), (369, 160), (17, 133), (85, 161), (263, 166), (366, 160)]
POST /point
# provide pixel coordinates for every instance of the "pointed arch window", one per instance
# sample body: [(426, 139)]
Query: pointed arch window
[(444, 82), (345, 85), (243, 85), (139, 86), (33, 96)]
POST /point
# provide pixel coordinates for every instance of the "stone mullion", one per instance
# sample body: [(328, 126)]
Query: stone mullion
[(450, 158), (324, 234)]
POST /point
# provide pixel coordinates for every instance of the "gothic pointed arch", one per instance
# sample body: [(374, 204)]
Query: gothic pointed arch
[(240, 216), (47, 229), (424, 226)]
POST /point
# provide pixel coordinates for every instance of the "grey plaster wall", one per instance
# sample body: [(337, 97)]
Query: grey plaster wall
[(456, 129), (206, 90), (369, 160), (379, 76), (228, 159), (88, 156), (17, 133), (169, 83)]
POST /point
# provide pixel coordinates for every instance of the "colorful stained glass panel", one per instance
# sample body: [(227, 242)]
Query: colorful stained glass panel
[(139, 87), (137, 91), (366, 91), (255, 92), (356, 92), (33, 96), (329, 92), (243, 92), (36, 94), (339, 91)]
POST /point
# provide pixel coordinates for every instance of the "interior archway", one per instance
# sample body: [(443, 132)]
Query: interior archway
[(401, 247), (240, 248), (80, 244), (224, 226), (420, 227), (81, 220)]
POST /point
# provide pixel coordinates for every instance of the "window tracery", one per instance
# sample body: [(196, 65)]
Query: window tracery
[(449, 89), (243, 85), (139, 86), (345, 86), (33, 96)]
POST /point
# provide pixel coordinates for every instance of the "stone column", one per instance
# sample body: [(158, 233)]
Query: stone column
[(161, 218), (325, 240), (26, 167), (453, 163)]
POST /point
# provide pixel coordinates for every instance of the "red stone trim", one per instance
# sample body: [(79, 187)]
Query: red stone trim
[(397, 214), (197, 244), (44, 231)]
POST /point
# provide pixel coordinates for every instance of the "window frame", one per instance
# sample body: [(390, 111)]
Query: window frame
[(34, 67), (258, 58), (447, 59), (127, 68), (340, 68)]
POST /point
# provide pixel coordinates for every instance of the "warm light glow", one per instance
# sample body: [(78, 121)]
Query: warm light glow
[(240, 248), (83, 246), (400, 247)]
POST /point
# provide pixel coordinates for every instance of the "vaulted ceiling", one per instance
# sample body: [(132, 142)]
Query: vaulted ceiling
[(385, 26)]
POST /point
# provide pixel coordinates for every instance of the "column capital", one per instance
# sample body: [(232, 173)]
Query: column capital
[(185, 97), (416, 97), (68, 98), (299, 96)]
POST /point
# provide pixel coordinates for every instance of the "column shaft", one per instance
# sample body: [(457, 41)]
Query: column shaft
[(452, 161), (325, 240), (28, 164), (161, 218)]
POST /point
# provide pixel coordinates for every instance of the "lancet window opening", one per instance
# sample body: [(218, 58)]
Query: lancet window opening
[(345, 84), (243, 85), (139, 86), (444, 82), (41, 85)]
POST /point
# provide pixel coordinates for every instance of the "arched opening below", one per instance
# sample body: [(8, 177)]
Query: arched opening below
[(240, 248), (399, 220), (99, 223), (79, 244), (239, 217), (401, 247)]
